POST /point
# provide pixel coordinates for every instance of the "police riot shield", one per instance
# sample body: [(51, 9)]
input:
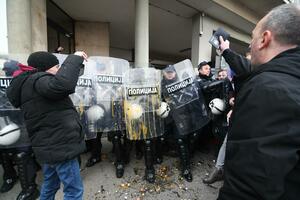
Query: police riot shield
[(142, 99), (83, 98), (180, 92), (218, 93), (12, 128), (108, 75), (60, 57)]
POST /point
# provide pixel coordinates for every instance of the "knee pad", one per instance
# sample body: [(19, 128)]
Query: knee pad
[(147, 142), (116, 137), (21, 155), (180, 141)]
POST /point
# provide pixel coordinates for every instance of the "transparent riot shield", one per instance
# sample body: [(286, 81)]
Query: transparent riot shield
[(12, 129), (61, 57), (83, 99), (108, 75), (180, 92), (142, 99)]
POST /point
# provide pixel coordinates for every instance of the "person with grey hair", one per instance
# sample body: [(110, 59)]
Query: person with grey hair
[(263, 148)]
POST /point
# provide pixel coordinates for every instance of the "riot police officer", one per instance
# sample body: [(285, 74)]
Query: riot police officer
[(15, 147), (142, 98), (188, 113), (105, 113)]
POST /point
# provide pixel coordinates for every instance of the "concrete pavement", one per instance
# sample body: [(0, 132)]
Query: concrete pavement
[(100, 181)]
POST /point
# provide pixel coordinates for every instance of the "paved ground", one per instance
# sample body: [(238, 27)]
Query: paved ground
[(100, 181)]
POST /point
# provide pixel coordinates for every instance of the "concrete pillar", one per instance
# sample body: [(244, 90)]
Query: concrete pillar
[(26, 27), (19, 28), (92, 37), (196, 34), (39, 25), (141, 33), (3, 28), (201, 33)]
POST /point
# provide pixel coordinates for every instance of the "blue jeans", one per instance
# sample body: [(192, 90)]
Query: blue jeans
[(68, 173), (221, 154)]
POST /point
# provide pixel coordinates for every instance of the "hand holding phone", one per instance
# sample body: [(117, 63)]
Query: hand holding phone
[(214, 40)]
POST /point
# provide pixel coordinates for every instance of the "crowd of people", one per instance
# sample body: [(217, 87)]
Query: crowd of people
[(253, 115)]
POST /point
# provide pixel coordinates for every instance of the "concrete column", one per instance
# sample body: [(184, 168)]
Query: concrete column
[(19, 27), (26, 27), (3, 28), (196, 34), (39, 25), (206, 47), (201, 33), (141, 33)]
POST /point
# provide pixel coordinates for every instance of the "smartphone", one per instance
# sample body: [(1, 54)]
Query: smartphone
[(214, 40)]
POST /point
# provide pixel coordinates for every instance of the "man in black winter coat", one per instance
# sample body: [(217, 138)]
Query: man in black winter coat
[(51, 120), (204, 76), (263, 149)]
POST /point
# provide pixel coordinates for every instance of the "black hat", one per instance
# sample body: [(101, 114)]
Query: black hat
[(42, 60), (202, 64)]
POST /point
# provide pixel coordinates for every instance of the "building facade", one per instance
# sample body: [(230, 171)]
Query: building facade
[(143, 32)]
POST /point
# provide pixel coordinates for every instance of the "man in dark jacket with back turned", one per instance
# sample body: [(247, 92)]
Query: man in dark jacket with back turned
[(51, 120), (263, 149)]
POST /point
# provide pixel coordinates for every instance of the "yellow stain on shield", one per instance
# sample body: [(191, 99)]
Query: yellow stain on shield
[(134, 124), (81, 108), (138, 123)]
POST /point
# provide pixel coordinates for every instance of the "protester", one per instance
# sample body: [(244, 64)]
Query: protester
[(262, 152), (221, 123), (51, 120), (222, 74), (235, 60)]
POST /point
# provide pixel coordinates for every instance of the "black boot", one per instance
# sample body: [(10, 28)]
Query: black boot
[(27, 173), (187, 175), (150, 171), (185, 160), (10, 175), (119, 158), (92, 161), (159, 150), (150, 175), (139, 150), (193, 140), (96, 147), (158, 160), (119, 170), (127, 150), (216, 175)]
